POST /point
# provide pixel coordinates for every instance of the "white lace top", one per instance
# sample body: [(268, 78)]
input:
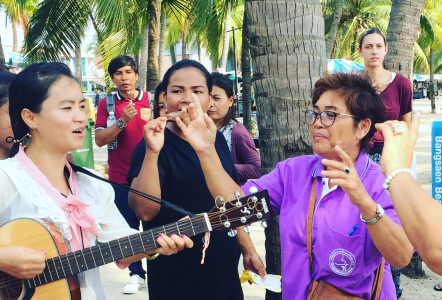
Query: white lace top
[(22, 197)]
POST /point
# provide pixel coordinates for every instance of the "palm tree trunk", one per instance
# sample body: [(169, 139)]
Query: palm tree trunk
[(14, 36), (246, 76), (401, 34), (154, 34), (78, 70), (285, 68), (226, 38), (162, 43), (337, 14), (184, 40), (172, 54), (142, 70), (2, 56), (432, 82)]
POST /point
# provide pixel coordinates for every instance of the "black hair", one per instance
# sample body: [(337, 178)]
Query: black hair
[(160, 89), (5, 81), (119, 62), (223, 82), (29, 89), (360, 97), (187, 63), (367, 32)]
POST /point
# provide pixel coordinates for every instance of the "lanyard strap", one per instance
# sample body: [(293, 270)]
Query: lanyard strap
[(163, 203)]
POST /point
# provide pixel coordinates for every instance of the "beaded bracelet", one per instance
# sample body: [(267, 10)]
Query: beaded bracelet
[(386, 184)]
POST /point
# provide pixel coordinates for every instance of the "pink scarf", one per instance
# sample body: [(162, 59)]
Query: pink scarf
[(77, 213)]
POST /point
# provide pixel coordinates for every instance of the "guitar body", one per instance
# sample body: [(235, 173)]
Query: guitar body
[(36, 235)]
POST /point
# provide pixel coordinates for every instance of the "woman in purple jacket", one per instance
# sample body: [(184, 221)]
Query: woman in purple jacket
[(353, 222), (222, 112)]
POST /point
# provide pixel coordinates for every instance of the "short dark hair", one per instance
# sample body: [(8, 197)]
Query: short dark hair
[(5, 81), (156, 98), (367, 32), (29, 89), (223, 82), (187, 63), (360, 96), (119, 62)]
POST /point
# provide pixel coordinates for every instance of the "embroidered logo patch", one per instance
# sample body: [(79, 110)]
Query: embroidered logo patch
[(342, 262)]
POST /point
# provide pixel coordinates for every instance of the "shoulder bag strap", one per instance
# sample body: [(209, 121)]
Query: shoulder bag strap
[(377, 284), (311, 208)]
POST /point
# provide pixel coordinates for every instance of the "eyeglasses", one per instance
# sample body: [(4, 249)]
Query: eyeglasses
[(327, 117)]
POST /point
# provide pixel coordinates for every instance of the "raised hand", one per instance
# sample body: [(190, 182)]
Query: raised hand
[(197, 127), (345, 175), (154, 134), (129, 111), (399, 147)]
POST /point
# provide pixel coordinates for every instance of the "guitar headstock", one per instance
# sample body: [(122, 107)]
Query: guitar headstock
[(228, 215)]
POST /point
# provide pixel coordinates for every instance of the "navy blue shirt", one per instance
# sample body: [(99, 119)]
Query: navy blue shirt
[(182, 183)]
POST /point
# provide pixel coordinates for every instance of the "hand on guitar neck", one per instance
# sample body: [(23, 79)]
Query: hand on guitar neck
[(22, 262)]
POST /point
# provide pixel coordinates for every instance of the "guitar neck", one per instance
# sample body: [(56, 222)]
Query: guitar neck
[(103, 253)]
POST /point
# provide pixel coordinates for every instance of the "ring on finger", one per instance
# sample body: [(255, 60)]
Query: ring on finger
[(398, 128), (130, 112), (173, 247), (346, 170)]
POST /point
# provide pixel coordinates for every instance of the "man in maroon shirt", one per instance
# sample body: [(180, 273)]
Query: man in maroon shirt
[(131, 110)]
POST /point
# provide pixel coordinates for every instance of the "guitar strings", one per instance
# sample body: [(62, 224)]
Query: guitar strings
[(138, 243)]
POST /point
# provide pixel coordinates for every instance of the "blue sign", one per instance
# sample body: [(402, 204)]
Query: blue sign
[(436, 157)]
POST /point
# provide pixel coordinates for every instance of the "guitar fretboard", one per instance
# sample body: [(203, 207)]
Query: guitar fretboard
[(103, 253)]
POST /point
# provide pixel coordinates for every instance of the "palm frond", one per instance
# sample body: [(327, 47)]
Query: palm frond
[(56, 28)]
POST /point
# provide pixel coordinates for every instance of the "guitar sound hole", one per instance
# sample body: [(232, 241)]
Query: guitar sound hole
[(13, 287)]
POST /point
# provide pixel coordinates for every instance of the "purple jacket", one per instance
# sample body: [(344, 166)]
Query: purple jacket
[(347, 262), (244, 154)]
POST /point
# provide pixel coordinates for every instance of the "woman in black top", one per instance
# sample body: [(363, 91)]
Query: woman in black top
[(165, 165)]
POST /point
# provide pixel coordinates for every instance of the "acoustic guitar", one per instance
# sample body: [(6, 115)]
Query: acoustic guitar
[(59, 281)]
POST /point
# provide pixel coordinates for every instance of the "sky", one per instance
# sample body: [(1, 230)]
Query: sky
[(6, 31)]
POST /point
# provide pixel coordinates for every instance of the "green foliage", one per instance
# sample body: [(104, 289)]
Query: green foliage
[(56, 27), (357, 15)]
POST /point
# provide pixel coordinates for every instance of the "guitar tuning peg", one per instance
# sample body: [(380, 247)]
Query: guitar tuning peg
[(237, 194), (253, 190), (222, 209), (232, 232), (238, 204), (247, 229), (259, 215), (264, 224)]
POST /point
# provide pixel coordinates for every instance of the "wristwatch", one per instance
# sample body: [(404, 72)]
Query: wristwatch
[(379, 212), (120, 123)]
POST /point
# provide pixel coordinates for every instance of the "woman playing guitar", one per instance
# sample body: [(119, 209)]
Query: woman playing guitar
[(48, 119)]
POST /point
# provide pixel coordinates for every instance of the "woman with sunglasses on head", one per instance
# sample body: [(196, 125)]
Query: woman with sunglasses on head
[(222, 112), (396, 93), (48, 119), (338, 193)]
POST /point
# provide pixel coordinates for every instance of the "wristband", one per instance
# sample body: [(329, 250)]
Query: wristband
[(386, 184)]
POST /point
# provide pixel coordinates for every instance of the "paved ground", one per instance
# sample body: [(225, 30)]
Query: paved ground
[(114, 279)]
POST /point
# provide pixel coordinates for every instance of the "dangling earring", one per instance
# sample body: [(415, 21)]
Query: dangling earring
[(24, 141)]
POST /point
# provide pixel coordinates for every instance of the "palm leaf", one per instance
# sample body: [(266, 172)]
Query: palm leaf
[(56, 28)]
